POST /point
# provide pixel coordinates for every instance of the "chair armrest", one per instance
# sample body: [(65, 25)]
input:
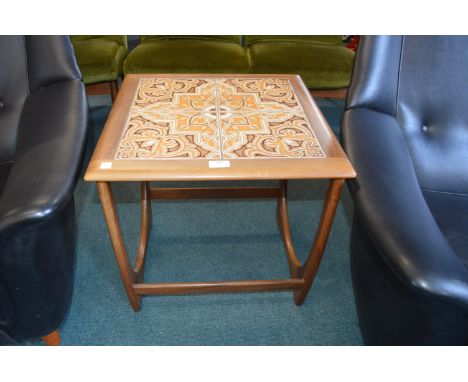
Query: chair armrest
[(50, 145), (390, 204)]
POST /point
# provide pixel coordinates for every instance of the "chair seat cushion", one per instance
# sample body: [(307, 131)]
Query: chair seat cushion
[(321, 66), (187, 56), (450, 211), (99, 60), (4, 171)]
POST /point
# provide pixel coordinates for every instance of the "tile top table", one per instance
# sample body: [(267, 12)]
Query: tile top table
[(211, 127), (168, 127)]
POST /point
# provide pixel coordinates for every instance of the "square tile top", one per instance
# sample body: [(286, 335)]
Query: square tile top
[(217, 118), (174, 127)]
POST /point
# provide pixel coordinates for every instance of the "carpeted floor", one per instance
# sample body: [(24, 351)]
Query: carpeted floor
[(210, 240)]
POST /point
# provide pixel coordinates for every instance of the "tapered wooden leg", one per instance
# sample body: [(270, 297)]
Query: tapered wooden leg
[(126, 272), (52, 339), (283, 224), (309, 269), (302, 276), (114, 89), (145, 228)]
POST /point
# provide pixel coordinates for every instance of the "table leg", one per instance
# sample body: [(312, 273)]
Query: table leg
[(302, 276), (283, 224), (128, 275), (309, 269), (145, 228)]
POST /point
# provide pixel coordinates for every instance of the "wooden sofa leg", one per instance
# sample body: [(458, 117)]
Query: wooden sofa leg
[(331, 93), (110, 87), (114, 89), (52, 339)]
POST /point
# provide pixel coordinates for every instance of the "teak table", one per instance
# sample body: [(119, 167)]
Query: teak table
[(168, 127)]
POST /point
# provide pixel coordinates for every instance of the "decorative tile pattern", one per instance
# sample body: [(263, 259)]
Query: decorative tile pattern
[(222, 118)]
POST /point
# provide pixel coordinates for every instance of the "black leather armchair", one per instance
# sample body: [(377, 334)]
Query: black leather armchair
[(405, 130), (43, 120)]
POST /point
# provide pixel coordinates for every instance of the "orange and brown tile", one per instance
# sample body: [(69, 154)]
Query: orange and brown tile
[(215, 119)]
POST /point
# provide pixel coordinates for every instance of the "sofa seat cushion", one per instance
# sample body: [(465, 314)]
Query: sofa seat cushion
[(325, 39), (4, 171), (231, 38), (187, 56), (99, 59), (119, 39), (321, 65)]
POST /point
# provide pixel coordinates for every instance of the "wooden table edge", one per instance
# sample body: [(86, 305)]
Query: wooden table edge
[(130, 175)]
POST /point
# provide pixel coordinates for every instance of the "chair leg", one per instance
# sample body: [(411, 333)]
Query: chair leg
[(114, 89), (52, 339)]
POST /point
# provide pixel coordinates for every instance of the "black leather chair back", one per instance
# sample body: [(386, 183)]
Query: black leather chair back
[(13, 91), (31, 62), (422, 81)]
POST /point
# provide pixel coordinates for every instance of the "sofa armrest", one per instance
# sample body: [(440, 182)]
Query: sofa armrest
[(393, 210), (49, 153)]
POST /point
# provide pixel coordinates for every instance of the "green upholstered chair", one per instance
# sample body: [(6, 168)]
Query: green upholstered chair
[(100, 59), (323, 62), (188, 54)]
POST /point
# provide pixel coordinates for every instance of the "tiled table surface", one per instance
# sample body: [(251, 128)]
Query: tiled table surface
[(217, 118)]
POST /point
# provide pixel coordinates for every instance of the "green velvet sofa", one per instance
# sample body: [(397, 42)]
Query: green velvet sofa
[(100, 59), (322, 61), (188, 54)]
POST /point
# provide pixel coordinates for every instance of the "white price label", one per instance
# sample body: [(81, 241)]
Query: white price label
[(219, 164), (105, 165)]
